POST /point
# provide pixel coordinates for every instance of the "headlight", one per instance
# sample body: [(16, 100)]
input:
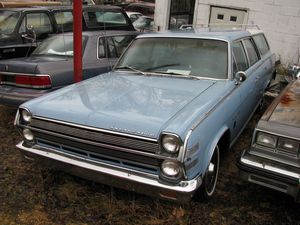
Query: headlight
[(28, 135), (170, 143), (288, 145), (171, 169), (265, 139), (26, 115)]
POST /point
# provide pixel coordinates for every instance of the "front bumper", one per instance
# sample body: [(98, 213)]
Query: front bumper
[(13, 97), (112, 175), (271, 174)]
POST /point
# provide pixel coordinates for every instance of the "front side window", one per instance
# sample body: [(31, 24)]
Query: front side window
[(252, 54), (8, 21), (40, 22), (239, 56), (261, 43), (178, 56)]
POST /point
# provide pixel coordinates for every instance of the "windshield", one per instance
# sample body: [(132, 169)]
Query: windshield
[(8, 21), (57, 45), (144, 23), (178, 56)]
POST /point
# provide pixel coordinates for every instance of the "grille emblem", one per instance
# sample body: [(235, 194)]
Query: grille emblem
[(6, 67)]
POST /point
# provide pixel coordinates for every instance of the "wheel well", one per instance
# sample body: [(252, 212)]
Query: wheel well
[(224, 142)]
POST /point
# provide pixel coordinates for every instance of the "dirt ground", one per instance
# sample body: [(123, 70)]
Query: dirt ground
[(33, 195)]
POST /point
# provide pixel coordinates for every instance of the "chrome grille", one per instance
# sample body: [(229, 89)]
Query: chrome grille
[(95, 136), (152, 165)]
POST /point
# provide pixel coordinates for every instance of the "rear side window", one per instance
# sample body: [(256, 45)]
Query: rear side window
[(64, 20), (121, 43), (252, 54), (102, 19), (240, 56), (261, 44), (113, 47)]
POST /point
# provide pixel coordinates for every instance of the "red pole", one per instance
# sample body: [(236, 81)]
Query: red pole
[(77, 39)]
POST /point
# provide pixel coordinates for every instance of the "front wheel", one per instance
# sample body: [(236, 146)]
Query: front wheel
[(208, 186)]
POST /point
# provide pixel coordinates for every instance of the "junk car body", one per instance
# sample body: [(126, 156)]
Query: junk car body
[(50, 66), (15, 40), (273, 160), (157, 123)]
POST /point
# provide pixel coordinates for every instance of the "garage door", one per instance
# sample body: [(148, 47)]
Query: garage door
[(228, 16)]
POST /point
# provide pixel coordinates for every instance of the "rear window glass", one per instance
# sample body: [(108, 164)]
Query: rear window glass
[(60, 45), (101, 19), (252, 54), (261, 43)]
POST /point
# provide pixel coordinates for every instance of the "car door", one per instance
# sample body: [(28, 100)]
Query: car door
[(42, 25), (248, 88), (268, 61)]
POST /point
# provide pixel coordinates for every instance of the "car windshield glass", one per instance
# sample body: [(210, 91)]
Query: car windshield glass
[(178, 56), (57, 45), (8, 21), (143, 22)]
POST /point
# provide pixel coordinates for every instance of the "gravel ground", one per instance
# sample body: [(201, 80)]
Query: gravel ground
[(33, 195)]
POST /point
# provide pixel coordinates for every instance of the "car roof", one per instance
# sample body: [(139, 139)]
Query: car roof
[(54, 8), (102, 33), (228, 35)]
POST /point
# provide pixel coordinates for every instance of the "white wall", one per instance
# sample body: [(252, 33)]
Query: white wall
[(279, 19)]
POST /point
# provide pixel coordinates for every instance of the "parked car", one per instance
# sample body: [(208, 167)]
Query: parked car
[(158, 122), (16, 41), (273, 160), (133, 16), (50, 66), (144, 23)]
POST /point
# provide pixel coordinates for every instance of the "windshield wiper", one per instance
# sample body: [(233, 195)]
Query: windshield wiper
[(177, 74), (162, 66), (131, 68)]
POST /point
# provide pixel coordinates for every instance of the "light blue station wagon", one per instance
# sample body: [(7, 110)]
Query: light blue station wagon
[(157, 123)]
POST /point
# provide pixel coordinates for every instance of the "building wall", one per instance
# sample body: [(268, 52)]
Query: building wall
[(279, 19)]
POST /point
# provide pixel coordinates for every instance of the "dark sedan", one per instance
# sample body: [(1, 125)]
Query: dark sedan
[(17, 41), (51, 64)]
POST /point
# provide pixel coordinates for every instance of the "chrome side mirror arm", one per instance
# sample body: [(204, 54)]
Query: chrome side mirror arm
[(239, 77)]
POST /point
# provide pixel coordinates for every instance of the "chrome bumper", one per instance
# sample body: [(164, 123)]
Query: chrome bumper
[(270, 174), (112, 175)]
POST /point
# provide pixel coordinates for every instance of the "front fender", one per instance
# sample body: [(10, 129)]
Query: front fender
[(197, 154)]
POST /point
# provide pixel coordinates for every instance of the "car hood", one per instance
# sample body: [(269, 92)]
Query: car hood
[(128, 103), (32, 65)]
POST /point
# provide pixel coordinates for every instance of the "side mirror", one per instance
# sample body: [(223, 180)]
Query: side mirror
[(30, 33), (240, 77)]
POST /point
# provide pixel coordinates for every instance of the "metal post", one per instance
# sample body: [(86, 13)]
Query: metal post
[(77, 39)]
